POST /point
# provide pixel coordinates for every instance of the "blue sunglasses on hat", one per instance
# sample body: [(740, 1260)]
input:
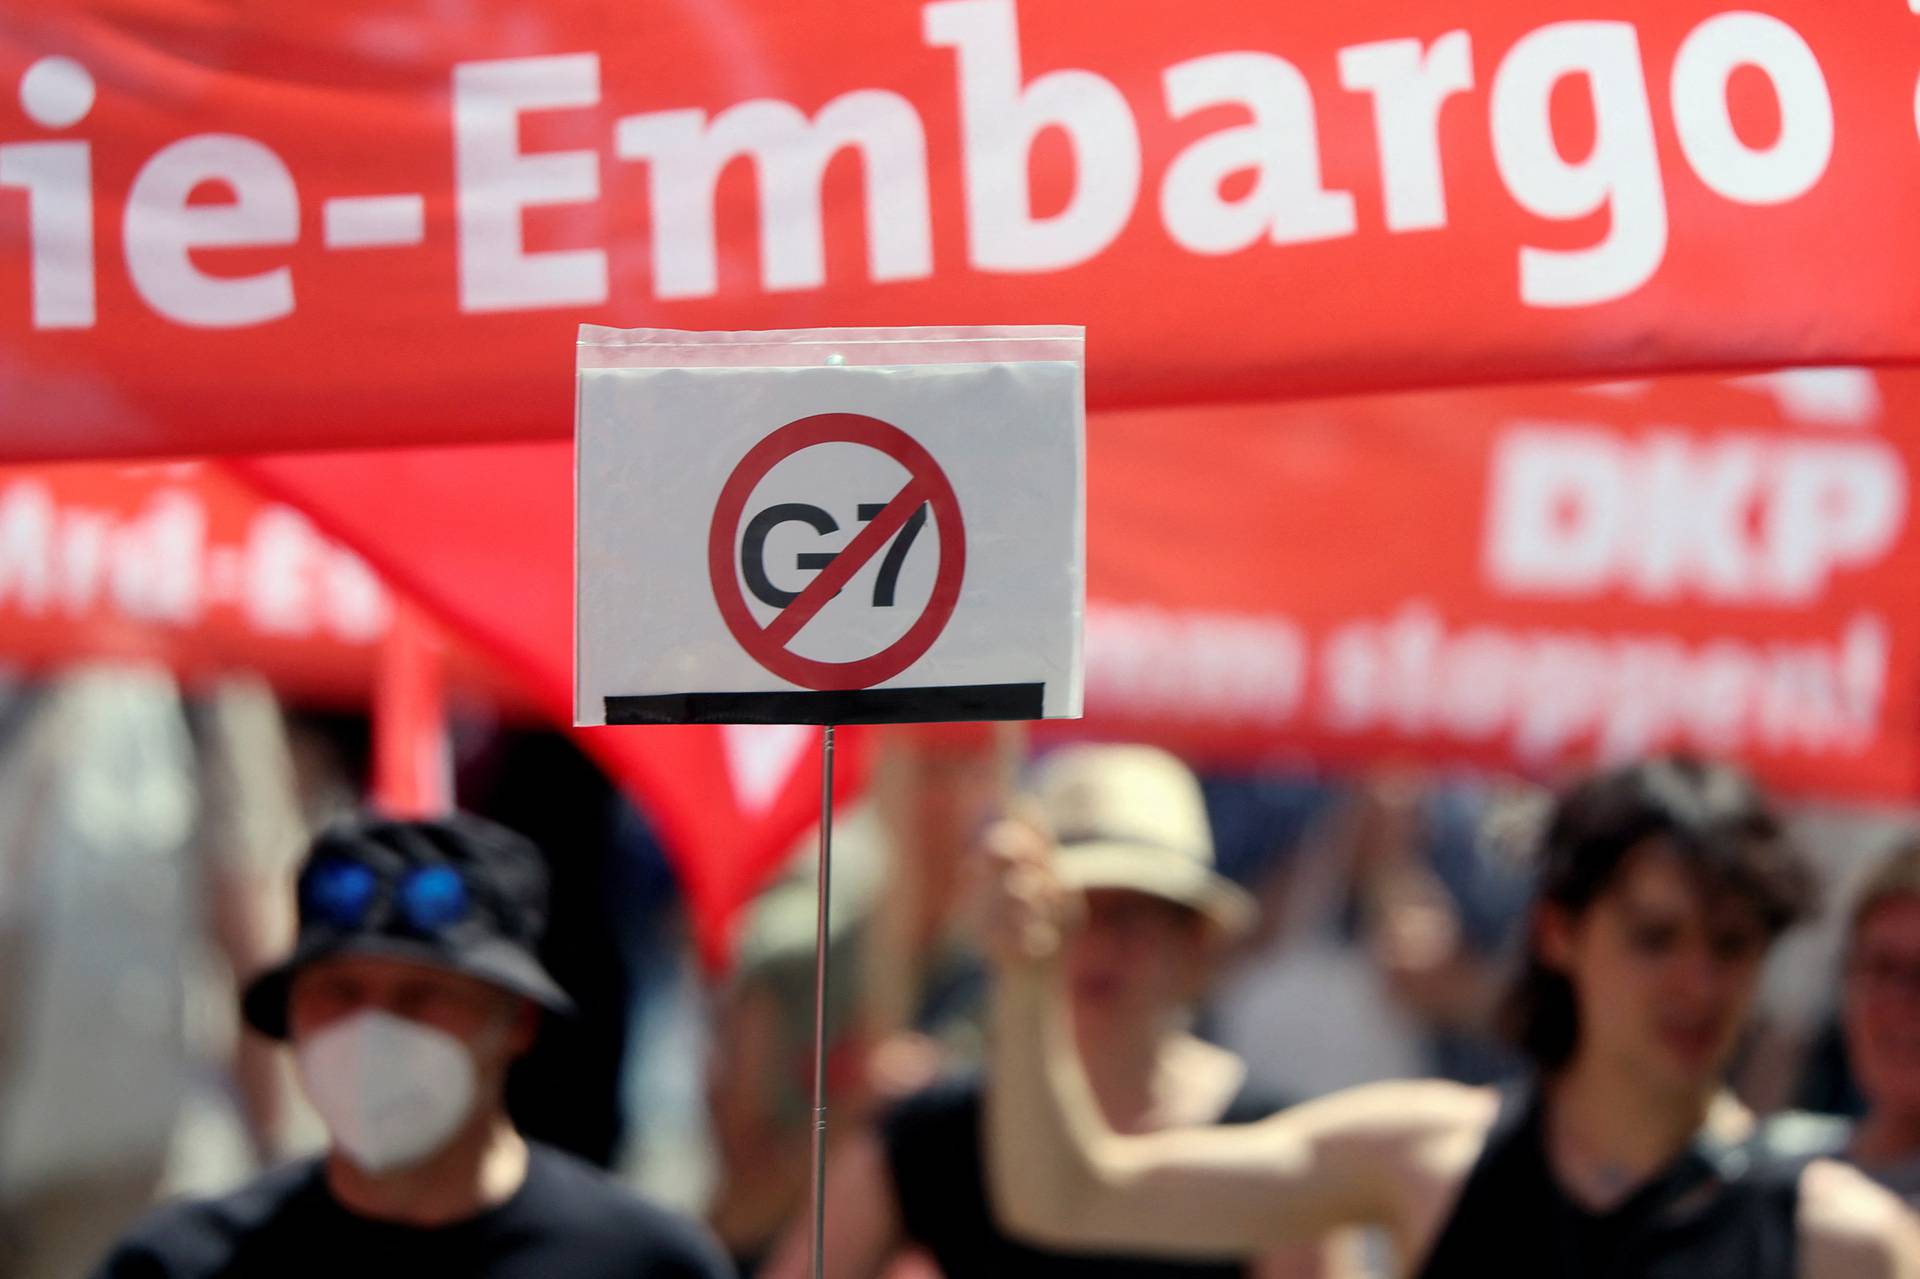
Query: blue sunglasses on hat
[(456, 892), (352, 896)]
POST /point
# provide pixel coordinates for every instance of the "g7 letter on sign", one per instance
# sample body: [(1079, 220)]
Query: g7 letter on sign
[(894, 524), (828, 526)]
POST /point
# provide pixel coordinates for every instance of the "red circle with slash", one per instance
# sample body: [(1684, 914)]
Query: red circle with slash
[(926, 483)]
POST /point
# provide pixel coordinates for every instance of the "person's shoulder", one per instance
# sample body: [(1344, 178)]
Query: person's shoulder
[(193, 1237), (573, 1193), (1850, 1226)]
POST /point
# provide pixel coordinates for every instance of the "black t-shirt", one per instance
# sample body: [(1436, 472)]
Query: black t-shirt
[(1716, 1210), (567, 1221), (933, 1149)]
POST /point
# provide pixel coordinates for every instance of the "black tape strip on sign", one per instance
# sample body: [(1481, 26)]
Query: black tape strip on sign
[(943, 704)]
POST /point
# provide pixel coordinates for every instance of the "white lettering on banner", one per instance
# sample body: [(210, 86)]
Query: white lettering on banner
[(1620, 174), (1001, 117), (1210, 667), (157, 560), (357, 608), (297, 582), (790, 157), (57, 177), (1287, 204), (1707, 58), (494, 181), (374, 221), (56, 93), (1576, 511), (83, 554), (26, 548), (158, 565), (1546, 691), (163, 229), (1409, 86), (1831, 396), (999, 120)]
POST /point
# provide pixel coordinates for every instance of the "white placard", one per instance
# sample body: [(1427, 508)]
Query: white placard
[(713, 506)]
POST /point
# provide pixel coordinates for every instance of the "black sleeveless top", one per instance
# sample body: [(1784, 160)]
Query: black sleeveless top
[(1719, 1209), (933, 1144)]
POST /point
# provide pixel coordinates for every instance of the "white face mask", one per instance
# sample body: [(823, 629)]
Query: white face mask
[(391, 1090)]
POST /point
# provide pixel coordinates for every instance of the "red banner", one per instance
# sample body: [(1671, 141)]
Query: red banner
[(185, 566), (1525, 578), (236, 227)]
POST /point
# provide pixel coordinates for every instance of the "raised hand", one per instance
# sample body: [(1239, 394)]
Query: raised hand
[(1026, 908)]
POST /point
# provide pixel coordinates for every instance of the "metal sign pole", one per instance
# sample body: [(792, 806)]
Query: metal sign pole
[(820, 1005)]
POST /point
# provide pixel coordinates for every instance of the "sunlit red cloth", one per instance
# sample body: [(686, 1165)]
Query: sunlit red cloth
[(234, 228)]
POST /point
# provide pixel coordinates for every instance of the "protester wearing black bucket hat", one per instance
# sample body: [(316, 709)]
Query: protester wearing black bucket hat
[(413, 985), (461, 894)]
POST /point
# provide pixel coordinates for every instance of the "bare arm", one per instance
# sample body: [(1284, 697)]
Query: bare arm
[(1059, 1175), (250, 838), (863, 1221), (1339, 1256), (1851, 1228)]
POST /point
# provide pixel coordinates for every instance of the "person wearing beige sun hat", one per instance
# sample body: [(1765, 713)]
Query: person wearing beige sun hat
[(1133, 838), (1133, 818)]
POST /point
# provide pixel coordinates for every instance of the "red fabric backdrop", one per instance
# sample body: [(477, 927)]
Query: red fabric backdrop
[(239, 227)]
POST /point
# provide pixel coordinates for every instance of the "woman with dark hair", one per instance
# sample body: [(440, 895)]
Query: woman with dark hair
[(1663, 885)]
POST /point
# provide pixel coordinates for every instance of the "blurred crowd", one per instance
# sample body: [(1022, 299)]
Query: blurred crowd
[(1315, 932)]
